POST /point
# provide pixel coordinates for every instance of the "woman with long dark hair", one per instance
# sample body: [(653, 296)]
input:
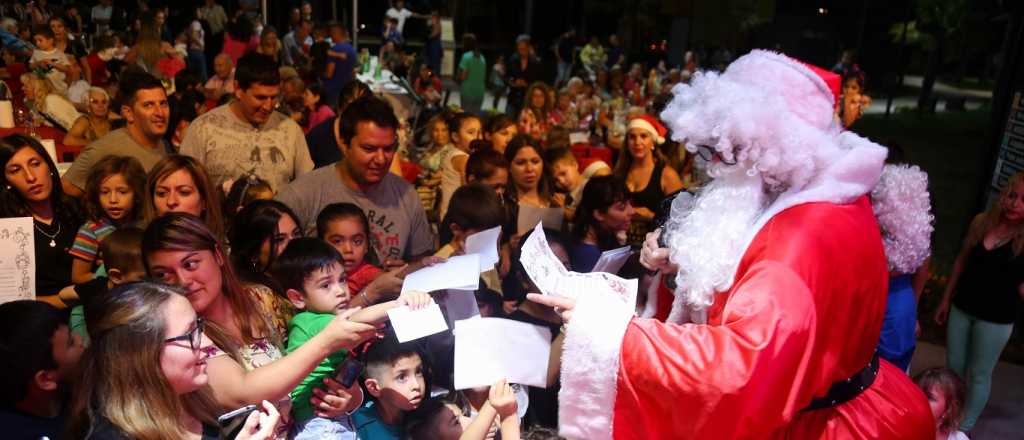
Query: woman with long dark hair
[(31, 187), (246, 363), (528, 184), (601, 222), (259, 233), (644, 168)]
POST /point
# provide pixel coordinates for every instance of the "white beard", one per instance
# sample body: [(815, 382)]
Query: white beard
[(707, 238)]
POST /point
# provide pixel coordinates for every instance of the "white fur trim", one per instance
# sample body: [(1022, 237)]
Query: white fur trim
[(590, 366), (642, 124)]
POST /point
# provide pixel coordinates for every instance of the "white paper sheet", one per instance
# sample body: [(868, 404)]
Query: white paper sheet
[(485, 244), (459, 305), (529, 216), (414, 324), (551, 278), (488, 349), (17, 259), (459, 272), (611, 261)]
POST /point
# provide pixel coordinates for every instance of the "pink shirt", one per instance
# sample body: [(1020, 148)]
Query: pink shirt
[(321, 114)]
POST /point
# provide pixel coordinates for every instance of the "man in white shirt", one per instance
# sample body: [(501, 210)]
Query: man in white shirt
[(398, 12), (101, 15)]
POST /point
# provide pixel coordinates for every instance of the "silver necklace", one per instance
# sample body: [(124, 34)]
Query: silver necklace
[(53, 242)]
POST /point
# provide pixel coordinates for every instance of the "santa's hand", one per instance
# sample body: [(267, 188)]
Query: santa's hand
[(653, 256), (563, 306)]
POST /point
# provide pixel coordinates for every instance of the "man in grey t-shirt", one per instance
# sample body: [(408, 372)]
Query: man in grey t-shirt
[(368, 144), (147, 114)]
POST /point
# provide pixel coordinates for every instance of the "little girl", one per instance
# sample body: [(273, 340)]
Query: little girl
[(113, 199), (345, 227), (464, 128), (945, 391), (318, 111)]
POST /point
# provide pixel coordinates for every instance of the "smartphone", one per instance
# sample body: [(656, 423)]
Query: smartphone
[(231, 423), (348, 372)]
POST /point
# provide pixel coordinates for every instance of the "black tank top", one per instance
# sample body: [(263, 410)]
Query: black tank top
[(651, 196), (988, 286)]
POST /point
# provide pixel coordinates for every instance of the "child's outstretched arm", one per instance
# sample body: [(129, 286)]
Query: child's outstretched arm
[(481, 425), (503, 400), (378, 313)]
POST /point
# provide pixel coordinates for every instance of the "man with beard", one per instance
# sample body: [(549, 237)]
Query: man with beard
[(146, 111), (781, 282), (37, 355)]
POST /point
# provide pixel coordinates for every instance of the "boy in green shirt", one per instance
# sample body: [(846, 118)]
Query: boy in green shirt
[(311, 272)]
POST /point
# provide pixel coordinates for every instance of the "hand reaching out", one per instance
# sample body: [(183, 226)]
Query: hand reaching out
[(503, 399), (415, 300)]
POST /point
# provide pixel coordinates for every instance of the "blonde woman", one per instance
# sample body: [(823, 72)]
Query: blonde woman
[(144, 374), (93, 125), (984, 291)]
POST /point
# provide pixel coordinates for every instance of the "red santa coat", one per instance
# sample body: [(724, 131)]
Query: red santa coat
[(805, 311)]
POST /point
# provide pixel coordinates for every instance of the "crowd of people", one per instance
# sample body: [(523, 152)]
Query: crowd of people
[(244, 211)]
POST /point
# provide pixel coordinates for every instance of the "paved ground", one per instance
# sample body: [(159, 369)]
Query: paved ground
[(1003, 418)]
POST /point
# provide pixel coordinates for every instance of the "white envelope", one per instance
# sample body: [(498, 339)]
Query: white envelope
[(460, 304), (529, 216), (414, 324), (488, 349), (611, 261), (485, 244), (459, 272)]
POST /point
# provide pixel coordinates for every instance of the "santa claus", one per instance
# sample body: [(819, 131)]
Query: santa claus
[(781, 283)]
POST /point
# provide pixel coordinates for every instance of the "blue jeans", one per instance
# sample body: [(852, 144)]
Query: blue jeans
[(564, 71), (321, 428), (973, 347)]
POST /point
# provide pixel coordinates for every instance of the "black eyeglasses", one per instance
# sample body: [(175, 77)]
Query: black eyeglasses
[(708, 154), (194, 336)]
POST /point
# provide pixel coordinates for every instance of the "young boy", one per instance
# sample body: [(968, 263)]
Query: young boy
[(122, 261), (37, 358), (312, 274), (436, 420), (46, 57), (568, 179), (395, 378)]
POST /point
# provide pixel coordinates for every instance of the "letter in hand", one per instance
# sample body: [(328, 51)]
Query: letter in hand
[(260, 425), (414, 300), (503, 399), (562, 306), (347, 334)]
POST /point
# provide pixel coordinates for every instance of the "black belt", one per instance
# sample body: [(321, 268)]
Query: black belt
[(847, 389)]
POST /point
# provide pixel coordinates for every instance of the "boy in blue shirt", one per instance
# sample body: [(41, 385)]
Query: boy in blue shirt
[(395, 378)]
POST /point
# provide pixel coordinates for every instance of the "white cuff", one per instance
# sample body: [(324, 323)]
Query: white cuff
[(590, 366)]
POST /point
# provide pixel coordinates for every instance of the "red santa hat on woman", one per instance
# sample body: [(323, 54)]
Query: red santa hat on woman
[(650, 124)]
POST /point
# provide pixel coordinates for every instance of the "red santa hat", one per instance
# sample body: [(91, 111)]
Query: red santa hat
[(651, 125)]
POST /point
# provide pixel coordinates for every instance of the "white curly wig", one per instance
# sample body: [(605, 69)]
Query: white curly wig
[(904, 213)]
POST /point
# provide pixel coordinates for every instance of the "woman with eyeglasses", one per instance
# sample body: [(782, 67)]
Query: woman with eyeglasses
[(144, 374), (246, 359), (647, 175)]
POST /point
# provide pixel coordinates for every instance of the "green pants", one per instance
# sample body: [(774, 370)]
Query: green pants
[(972, 350)]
